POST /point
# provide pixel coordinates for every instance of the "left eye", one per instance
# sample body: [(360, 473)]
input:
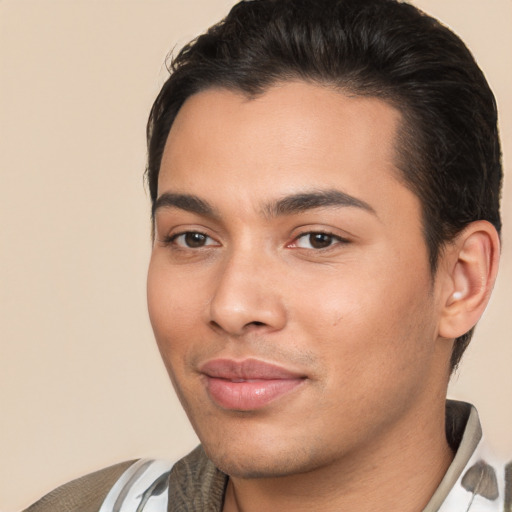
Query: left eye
[(192, 240), (316, 240)]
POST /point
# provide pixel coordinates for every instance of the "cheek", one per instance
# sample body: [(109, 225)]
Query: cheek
[(369, 322), (173, 305), (344, 301)]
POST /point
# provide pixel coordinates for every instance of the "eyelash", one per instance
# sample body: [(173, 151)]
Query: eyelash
[(171, 239), (333, 240)]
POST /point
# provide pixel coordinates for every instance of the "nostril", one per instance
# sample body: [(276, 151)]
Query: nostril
[(237, 331), (215, 325)]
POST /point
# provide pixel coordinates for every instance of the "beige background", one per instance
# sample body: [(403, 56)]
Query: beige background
[(81, 384)]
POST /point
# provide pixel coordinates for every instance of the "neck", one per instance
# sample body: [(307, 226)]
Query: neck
[(399, 471)]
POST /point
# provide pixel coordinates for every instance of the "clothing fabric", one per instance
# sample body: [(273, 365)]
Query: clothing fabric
[(85, 494), (474, 482), (143, 486)]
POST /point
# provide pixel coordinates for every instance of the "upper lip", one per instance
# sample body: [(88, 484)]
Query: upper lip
[(247, 369)]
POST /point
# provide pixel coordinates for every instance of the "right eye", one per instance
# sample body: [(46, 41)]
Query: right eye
[(191, 240)]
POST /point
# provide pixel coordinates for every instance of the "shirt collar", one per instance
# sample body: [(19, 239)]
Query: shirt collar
[(475, 480)]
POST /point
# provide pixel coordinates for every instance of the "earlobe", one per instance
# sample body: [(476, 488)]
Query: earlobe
[(472, 268)]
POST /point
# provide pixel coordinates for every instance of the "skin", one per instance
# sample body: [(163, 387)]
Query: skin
[(359, 318)]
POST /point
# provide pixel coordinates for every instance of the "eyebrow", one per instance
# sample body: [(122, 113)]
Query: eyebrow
[(301, 202), (289, 205), (187, 202)]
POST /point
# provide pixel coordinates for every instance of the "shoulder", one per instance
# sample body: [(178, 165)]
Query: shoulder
[(196, 484), (142, 484), (85, 494), (191, 483)]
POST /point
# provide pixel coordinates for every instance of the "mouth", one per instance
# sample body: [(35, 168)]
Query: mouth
[(249, 384)]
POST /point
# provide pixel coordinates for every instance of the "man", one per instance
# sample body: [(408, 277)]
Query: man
[(325, 178)]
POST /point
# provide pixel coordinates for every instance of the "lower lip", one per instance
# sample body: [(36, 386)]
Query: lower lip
[(248, 395)]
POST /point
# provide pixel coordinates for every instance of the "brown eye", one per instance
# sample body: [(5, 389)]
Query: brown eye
[(320, 240), (194, 240)]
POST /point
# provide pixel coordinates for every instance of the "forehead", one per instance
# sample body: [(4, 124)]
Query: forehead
[(296, 136), (295, 116)]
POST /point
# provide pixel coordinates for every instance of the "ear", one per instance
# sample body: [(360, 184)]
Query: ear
[(470, 268)]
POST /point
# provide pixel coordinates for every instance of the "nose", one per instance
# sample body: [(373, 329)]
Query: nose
[(247, 297)]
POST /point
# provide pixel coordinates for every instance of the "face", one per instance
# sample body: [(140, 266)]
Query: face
[(289, 287)]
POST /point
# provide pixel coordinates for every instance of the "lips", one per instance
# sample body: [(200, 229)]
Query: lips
[(249, 384)]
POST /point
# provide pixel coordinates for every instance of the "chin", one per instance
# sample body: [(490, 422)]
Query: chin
[(263, 461)]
